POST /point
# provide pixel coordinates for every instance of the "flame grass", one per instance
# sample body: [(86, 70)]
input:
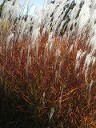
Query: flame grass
[(35, 79)]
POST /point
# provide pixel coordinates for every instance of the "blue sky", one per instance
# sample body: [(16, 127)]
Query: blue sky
[(35, 3)]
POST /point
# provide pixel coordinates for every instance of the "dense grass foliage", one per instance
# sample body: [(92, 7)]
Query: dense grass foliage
[(48, 66), (40, 86)]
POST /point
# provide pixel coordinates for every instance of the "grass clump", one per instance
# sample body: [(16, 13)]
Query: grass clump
[(40, 86)]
